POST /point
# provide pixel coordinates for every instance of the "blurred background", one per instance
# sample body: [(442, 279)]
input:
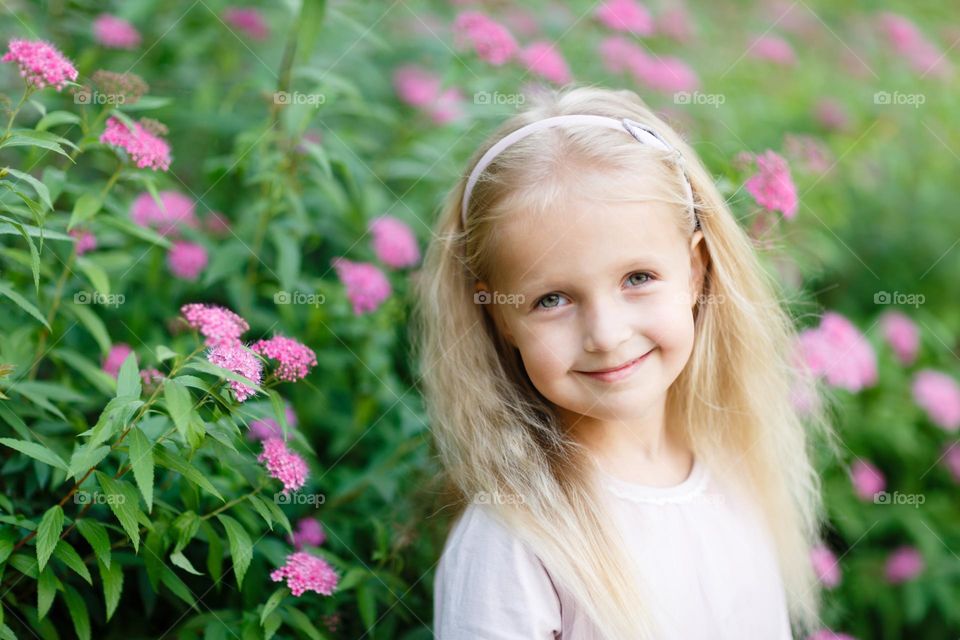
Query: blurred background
[(310, 145)]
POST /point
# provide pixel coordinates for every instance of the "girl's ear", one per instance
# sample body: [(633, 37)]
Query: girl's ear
[(484, 296), (698, 265)]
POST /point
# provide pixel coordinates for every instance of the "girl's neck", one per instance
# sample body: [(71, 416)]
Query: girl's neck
[(642, 451)]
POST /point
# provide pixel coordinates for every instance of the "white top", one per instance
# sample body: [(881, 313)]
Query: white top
[(700, 547)]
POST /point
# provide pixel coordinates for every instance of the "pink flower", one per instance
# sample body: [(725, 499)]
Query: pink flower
[(543, 59), (86, 241), (366, 285), (675, 23), (114, 360), (827, 634), (40, 63), (309, 531), (867, 480), (825, 565), (415, 85), (839, 352), (619, 54), (772, 187), (447, 107), (831, 114), (217, 224), (250, 21), (174, 209), (295, 359), (114, 32), (811, 153), (283, 464), (307, 572), (216, 324), (492, 41), (951, 458), (939, 395), (394, 242), (910, 43), (234, 357), (269, 428), (902, 334), (186, 260), (626, 15), (144, 148), (773, 49), (905, 563), (151, 377), (665, 73)]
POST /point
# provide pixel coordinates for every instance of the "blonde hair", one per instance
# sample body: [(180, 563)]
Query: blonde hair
[(732, 403)]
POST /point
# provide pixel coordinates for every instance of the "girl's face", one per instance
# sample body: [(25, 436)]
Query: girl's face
[(592, 287)]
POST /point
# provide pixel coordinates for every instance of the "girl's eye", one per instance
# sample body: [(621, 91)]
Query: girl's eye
[(642, 273), (551, 300)]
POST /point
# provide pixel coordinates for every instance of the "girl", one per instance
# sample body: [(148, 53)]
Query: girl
[(610, 380)]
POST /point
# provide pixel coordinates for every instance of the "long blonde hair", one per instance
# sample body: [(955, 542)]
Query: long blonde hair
[(732, 403)]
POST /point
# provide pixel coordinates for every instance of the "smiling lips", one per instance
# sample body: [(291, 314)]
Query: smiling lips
[(617, 373)]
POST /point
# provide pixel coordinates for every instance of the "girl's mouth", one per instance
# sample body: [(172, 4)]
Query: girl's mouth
[(619, 373)]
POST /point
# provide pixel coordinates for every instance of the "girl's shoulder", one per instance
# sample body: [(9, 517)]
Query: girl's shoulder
[(489, 580)]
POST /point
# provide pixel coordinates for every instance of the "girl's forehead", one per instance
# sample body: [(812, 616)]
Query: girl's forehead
[(586, 235)]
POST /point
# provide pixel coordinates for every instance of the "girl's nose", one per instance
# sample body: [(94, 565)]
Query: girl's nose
[(606, 327)]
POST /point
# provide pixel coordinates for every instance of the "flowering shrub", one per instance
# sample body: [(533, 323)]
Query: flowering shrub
[(212, 216)]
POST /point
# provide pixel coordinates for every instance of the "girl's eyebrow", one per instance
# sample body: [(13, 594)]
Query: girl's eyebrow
[(637, 262)]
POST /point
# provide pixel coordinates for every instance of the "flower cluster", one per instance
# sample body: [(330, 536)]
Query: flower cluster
[(772, 186), (216, 324), (233, 356), (283, 464), (367, 286), (307, 572), (114, 32), (838, 351), (492, 41), (174, 209), (40, 63), (295, 359), (145, 149), (268, 428), (310, 532)]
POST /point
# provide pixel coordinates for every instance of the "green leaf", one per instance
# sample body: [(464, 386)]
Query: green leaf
[(112, 578), (272, 603), (367, 606), (186, 525), (23, 141), (85, 457), (34, 254), (141, 459), (86, 206), (93, 324), (24, 304), (300, 620), (164, 353), (46, 590), (96, 535), (122, 500), (262, 510), (41, 189), (15, 421), (241, 548), (278, 515), (96, 376), (78, 612), (177, 586), (279, 410), (135, 230), (288, 257), (55, 118), (98, 278), (183, 562), (165, 458), (215, 552), (69, 556), (179, 405), (37, 451), (128, 378)]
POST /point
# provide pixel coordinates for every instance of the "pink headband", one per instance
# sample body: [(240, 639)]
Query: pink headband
[(640, 132)]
